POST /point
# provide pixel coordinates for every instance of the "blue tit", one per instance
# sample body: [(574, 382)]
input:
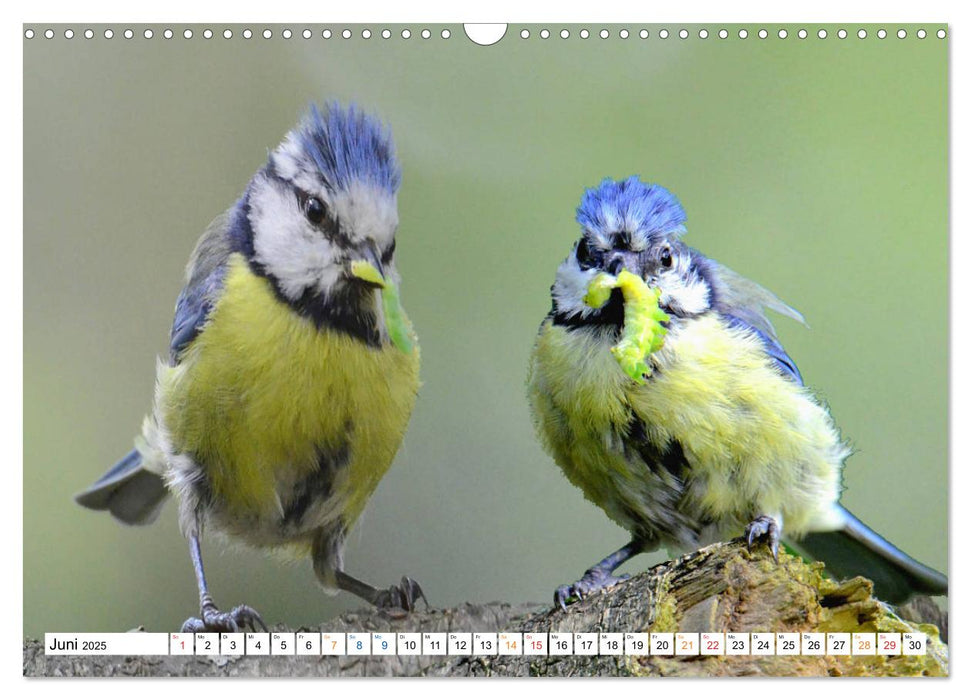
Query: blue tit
[(721, 437), (283, 399)]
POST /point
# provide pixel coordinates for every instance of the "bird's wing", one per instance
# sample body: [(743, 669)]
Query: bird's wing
[(131, 490), (772, 347), (743, 304), (204, 279)]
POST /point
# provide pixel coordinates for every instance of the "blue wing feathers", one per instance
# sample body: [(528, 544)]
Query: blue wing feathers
[(772, 348), (191, 311), (207, 270), (742, 304)]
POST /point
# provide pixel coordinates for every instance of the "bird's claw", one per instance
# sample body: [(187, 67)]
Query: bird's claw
[(764, 529), (403, 595), (212, 620), (593, 580)]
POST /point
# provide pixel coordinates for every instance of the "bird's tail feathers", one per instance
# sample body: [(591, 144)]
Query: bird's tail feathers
[(128, 490), (855, 549)]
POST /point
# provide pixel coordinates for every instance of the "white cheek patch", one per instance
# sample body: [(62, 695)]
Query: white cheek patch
[(683, 292), (571, 286), (366, 212), (291, 250)]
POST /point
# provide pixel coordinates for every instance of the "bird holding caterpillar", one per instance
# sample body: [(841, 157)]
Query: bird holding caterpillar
[(720, 435)]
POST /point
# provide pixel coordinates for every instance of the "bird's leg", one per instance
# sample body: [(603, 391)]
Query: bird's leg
[(328, 559), (766, 529), (402, 595), (598, 576), (212, 620)]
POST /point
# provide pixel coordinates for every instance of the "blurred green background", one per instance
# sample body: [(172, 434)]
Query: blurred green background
[(817, 167)]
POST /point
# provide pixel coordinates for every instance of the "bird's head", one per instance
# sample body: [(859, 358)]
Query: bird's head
[(326, 198), (634, 226)]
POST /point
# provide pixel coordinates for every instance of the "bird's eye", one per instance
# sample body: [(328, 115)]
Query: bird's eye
[(314, 210), (666, 260), (583, 253)]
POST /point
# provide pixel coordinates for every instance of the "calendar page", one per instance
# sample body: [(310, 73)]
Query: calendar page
[(404, 348)]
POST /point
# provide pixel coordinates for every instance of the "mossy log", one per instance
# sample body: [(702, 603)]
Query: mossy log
[(721, 588)]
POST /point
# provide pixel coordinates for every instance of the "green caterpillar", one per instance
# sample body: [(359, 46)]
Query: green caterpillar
[(395, 320), (643, 333)]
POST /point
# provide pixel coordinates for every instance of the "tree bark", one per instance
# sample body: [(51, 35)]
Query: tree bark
[(721, 588)]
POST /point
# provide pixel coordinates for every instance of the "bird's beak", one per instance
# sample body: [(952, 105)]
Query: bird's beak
[(623, 260), (367, 268)]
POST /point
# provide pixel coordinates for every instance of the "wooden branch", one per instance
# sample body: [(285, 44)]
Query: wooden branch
[(721, 588)]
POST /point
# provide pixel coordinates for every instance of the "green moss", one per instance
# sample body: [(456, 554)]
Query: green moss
[(666, 613), (755, 594)]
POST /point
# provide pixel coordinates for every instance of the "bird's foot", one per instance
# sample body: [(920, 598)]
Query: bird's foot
[(403, 595), (212, 620), (764, 529), (595, 579)]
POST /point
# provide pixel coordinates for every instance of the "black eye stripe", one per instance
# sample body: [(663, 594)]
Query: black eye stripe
[(388, 253), (585, 256)]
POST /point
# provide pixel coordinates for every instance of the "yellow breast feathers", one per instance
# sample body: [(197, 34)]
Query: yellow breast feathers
[(262, 393), (752, 439)]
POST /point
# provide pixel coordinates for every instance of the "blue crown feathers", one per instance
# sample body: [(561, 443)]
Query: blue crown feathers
[(632, 206), (348, 145)]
